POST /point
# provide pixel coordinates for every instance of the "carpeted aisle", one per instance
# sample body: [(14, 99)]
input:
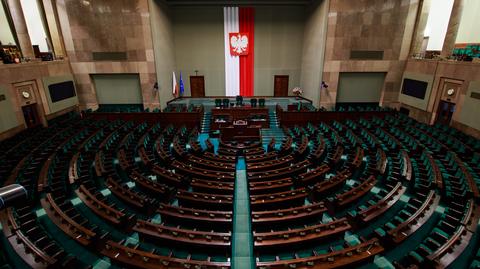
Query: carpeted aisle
[(242, 239)]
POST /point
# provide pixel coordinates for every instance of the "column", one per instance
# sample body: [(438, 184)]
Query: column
[(21, 28), (452, 30)]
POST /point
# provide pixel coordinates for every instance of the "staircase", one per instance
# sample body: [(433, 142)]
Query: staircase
[(273, 119), (274, 131), (205, 124)]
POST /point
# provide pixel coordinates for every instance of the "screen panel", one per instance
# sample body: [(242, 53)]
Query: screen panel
[(414, 88), (61, 91), (360, 87)]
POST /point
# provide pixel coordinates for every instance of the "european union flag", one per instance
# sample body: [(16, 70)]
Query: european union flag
[(182, 87)]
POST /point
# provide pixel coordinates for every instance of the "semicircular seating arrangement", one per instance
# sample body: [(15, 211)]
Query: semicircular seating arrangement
[(378, 192)]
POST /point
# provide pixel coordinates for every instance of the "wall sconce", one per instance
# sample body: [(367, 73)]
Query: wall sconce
[(324, 85)]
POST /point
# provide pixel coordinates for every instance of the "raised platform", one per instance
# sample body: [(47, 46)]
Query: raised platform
[(270, 102)]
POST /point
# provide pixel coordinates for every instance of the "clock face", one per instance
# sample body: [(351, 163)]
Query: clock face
[(450, 92), (26, 94)]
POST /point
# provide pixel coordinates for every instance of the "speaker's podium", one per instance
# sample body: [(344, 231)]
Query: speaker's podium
[(239, 123), (240, 131)]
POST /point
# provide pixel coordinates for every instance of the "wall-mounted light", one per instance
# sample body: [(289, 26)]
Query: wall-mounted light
[(324, 85)]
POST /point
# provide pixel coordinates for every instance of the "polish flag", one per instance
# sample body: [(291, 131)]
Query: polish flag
[(239, 50), (174, 85)]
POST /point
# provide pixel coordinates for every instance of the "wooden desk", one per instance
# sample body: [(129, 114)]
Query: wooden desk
[(254, 116), (240, 133)]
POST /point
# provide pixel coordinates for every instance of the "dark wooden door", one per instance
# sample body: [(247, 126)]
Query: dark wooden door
[(445, 112), (280, 87), (30, 115), (197, 86)]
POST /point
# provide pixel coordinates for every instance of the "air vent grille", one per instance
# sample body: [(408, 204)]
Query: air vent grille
[(366, 54), (109, 56)]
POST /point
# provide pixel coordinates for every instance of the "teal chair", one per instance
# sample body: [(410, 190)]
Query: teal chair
[(261, 102), (253, 102), (218, 102), (226, 102), (239, 100)]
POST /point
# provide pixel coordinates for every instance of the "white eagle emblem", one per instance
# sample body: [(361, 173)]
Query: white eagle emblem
[(239, 44)]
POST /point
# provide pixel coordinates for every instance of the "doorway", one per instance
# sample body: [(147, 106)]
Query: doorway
[(30, 115), (280, 88), (445, 112), (197, 86)]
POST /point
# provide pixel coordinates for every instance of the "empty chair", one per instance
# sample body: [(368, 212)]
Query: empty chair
[(218, 102), (261, 102), (225, 102), (253, 102), (239, 100)]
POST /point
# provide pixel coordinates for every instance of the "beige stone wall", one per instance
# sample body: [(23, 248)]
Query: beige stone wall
[(164, 48), (464, 72), (368, 25), (34, 73), (108, 26), (315, 35)]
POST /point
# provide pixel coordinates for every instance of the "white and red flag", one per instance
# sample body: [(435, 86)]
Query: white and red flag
[(239, 50)]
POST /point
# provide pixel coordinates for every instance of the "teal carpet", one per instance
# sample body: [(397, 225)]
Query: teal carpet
[(242, 239), (203, 137)]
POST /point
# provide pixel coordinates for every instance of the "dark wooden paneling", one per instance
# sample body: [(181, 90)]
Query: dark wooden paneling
[(189, 119), (280, 87), (291, 118), (197, 86)]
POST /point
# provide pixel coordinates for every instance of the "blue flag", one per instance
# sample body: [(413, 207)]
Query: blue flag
[(182, 88)]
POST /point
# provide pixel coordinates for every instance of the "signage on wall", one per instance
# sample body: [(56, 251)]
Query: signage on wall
[(239, 44)]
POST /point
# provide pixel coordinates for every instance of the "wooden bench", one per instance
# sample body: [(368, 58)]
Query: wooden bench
[(292, 238), (327, 186), (180, 215), (278, 200), (287, 215), (374, 211), (205, 200), (137, 258), (350, 256), (265, 187), (106, 211), (191, 238)]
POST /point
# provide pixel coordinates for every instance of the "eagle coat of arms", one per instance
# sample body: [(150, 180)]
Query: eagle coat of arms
[(238, 44)]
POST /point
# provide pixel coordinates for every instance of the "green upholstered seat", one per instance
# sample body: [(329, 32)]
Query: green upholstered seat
[(337, 248), (239, 100), (475, 264), (352, 240), (226, 102), (261, 102), (390, 225), (381, 232)]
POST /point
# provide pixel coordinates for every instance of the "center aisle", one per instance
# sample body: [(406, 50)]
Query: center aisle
[(242, 240)]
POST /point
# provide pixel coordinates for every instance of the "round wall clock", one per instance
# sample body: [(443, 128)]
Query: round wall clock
[(26, 94), (451, 92)]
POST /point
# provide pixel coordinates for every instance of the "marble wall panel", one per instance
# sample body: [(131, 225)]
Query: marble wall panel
[(368, 25), (108, 26)]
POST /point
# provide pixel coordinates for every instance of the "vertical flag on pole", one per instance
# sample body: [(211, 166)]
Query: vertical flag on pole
[(182, 87), (239, 50), (174, 85), (232, 63)]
